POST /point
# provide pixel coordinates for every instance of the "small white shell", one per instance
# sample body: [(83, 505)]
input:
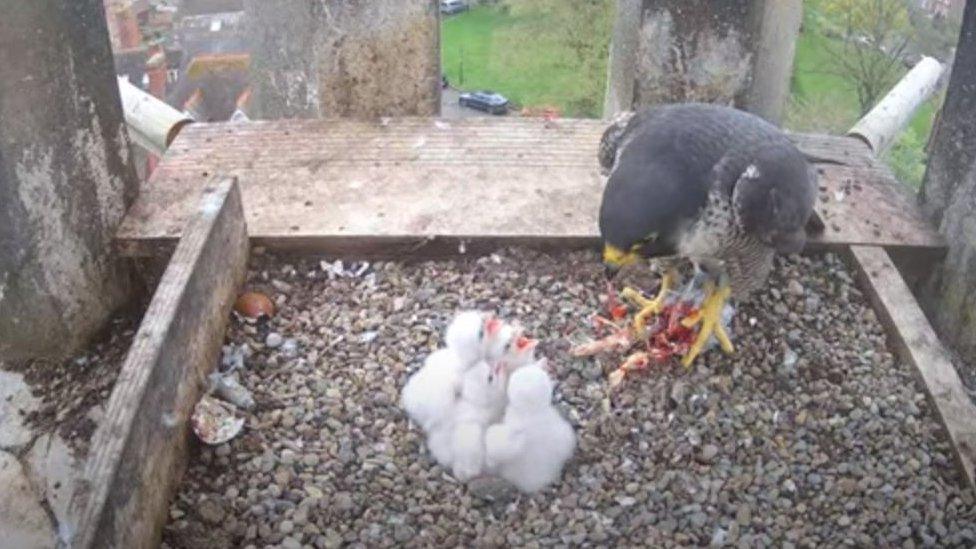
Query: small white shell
[(214, 421)]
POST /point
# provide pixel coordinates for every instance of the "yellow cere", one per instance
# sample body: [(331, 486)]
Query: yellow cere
[(616, 257)]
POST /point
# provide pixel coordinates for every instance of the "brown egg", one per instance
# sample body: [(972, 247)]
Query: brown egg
[(254, 305)]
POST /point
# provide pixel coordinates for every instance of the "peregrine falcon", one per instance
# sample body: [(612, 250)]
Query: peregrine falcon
[(714, 185)]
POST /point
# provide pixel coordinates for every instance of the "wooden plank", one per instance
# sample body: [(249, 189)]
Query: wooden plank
[(862, 206), (917, 343), (833, 149), (140, 448), (375, 187)]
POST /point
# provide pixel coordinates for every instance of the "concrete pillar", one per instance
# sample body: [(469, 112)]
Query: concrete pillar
[(622, 64), (735, 52), (351, 58), (66, 176), (949, 199)]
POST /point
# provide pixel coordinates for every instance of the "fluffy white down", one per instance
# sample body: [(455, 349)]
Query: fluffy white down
[(430, 395), (482, 403), (466, 336), (533, 442)]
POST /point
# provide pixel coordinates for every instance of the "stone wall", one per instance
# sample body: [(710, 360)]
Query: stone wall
[(66, 177), (736, 53), (949, 199), (354, 58)]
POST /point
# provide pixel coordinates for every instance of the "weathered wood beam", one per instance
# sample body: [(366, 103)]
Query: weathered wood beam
[(917, 344), (140, 448)]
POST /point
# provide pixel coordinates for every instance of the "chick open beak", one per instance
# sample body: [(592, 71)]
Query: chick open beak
[(493, 325), (523, 343)]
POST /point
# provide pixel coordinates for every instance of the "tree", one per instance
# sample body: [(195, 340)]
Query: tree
[(948, 196), (874, 36), (580, 31)]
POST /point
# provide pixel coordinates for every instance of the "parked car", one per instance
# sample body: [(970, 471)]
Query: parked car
[(487, 101), (450, 7)]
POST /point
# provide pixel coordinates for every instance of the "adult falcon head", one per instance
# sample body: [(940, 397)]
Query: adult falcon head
[(718, 186)]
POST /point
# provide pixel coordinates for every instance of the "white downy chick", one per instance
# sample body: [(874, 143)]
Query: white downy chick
[(431, 393), (482, 403), (443, 409), (533, 442)]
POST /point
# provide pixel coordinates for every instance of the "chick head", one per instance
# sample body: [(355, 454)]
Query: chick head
[(530, 387)]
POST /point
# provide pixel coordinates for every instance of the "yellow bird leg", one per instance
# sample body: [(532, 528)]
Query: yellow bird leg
[(720, 333), (723, 339), (649, 307), (710, 317)]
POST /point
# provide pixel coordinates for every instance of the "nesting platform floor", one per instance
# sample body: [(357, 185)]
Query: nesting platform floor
[(392, 186)]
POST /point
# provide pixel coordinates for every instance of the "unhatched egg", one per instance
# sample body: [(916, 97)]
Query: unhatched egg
[(254, 305)]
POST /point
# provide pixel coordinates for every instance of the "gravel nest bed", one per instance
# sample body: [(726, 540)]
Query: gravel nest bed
[(811, 435)]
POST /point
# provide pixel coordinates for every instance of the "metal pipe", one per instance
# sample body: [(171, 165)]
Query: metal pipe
[(879, 127), (152, 123)]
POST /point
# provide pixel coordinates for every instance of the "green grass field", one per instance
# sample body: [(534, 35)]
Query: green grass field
[(485, 48)]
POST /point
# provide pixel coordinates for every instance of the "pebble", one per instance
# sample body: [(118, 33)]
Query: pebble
[(794, 288), (289, 348), (743, 514), (402, 533), (789, 358), (211, 511), (344, 502), (773, 446), (274, 340), (626, 501), (492, 488)]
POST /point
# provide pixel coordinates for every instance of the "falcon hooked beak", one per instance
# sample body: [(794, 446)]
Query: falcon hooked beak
[(614, 258)]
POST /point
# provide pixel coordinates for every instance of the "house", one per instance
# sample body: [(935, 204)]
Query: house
[(214, 74)]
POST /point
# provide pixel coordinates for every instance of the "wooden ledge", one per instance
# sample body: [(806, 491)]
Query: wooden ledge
[(139, 451)]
